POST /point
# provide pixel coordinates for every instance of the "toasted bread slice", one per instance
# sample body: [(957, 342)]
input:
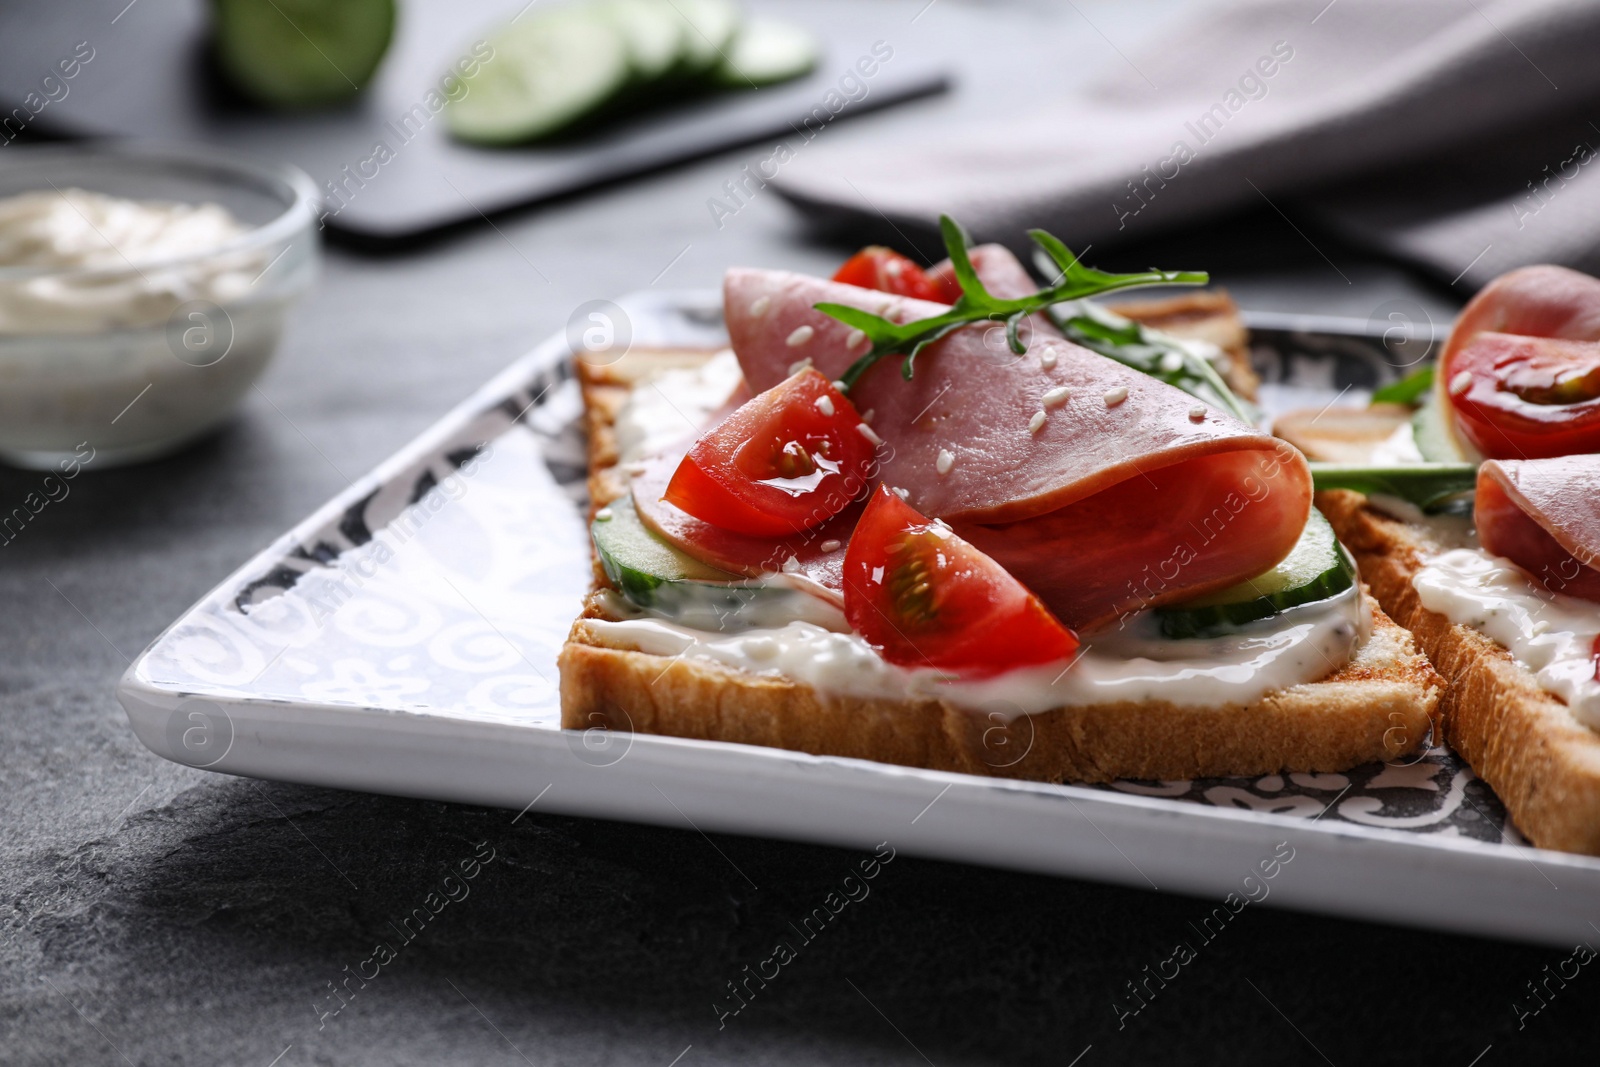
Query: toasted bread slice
[(1542, 762), (1378, 706)]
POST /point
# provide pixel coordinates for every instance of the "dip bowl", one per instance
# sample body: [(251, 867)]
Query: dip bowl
[(131, 359)]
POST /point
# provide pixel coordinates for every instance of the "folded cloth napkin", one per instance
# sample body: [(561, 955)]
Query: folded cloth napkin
[(1380, 119)]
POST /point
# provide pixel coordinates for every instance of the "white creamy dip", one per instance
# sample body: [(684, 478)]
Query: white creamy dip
[(130, 245), (130, 326), (1301, 645), (1550, 634)]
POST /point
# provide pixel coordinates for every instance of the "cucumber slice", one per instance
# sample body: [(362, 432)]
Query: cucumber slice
[(548, 71), (708, 30), (1316, 568), (1433, 488), (656, 576), (301, 53), (765, 53), (654, 34)]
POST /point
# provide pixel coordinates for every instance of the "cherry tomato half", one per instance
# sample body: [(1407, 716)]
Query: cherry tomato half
[(785, 461), (884, 269), (925, 598), (1521, 397)]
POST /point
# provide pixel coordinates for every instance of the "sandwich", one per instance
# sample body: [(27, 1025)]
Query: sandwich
[(951, 519), (1475, 520)]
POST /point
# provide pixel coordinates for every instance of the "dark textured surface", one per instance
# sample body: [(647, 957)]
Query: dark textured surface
[(151, 914)]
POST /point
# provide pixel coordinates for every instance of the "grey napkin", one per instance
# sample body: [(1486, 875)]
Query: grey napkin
[(1421, 128)]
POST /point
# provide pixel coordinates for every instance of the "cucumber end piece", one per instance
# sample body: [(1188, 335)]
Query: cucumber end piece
[(294, 54)]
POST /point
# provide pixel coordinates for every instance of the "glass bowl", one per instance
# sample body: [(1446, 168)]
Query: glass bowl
[(123, 362)]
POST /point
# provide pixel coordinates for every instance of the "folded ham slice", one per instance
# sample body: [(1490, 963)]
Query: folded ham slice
[(1128, 495), (1544, 516)]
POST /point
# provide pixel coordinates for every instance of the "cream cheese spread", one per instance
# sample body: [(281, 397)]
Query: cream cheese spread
[(1300, 645), (1550, 634), (674, 405)]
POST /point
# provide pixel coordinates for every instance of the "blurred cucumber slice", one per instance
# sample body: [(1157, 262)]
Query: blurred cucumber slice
[(301, 53), (709, 28), (766, 52), (654, 34), (549, 70)]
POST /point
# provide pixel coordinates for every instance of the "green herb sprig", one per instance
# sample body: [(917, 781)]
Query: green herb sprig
[(976, 304), (1151, 352)]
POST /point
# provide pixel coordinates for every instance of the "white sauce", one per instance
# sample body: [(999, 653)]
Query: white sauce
[(674, 405), (127, 238), (1301, 645), (100, 349), (1550, 634), (1398, 449)]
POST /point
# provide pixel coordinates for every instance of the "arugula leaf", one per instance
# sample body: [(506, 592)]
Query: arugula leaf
[(1433, 487), (1154, 353), (1408, 390), (976, 304)]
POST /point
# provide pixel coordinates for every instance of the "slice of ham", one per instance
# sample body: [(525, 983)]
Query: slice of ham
[(1539, 301), (737, 552), (1120, 500), (1544, 516)]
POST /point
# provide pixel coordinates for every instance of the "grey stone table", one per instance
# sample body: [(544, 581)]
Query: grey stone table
[(152, 914)]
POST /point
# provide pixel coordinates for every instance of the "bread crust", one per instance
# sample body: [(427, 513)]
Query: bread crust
[(1379, 706), (1542, 763)]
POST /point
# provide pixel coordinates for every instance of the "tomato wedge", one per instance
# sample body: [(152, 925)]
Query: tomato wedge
[(925, 598), (884, 269), (1519, 397), (787, 460)]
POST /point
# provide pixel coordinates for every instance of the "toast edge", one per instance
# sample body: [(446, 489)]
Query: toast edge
[(1525, 743)]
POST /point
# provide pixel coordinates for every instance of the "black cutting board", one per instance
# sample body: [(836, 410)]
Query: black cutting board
[(150, 78)]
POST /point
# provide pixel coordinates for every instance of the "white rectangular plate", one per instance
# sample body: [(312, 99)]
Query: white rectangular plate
[(403, 640)]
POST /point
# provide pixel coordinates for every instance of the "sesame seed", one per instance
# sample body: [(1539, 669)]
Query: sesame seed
[(1036, 423), (853, 338), (759, 305), (1116, 396), (1198, 412), (866, 416), (831, 545), (838, 383), (1057, 396), (866, 431), (1047, 359), (1460, 382), (901, 493), (799, 365), (824, 404), (791, 565), (946, 460), (801, 335), (1172, 362), (603, 515)]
